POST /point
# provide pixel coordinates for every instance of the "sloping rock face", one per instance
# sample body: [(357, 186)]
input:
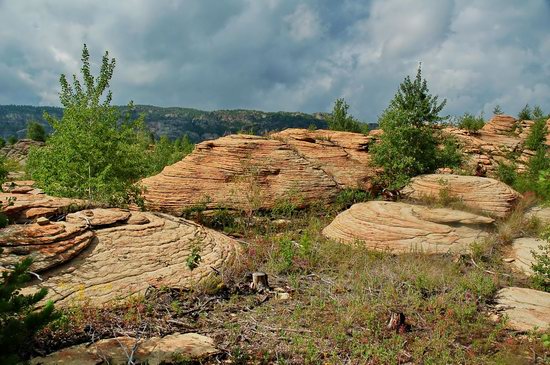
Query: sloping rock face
[(522, 253), (152, 351), (146, 250), (249, 172), (484, 194), (403, 228), (24, 203), (526, 309), (502, 137)]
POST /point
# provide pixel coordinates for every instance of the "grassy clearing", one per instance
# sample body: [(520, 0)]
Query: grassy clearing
[(341, 300)]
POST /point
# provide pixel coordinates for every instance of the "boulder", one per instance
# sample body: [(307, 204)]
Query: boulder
[(484, 194), (402, 228), (50, 245), (246, 172), (526, 309), (153, 351), (521, 253), (146, 250), (540, 213), (20, 149)]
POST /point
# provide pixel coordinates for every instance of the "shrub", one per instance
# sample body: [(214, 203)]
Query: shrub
[(507, 173), (36, 132), (12, 139), (471, 123), (2, 142), (19, 320), (541, 265), (340, 120), (537, 135), (347, 197), (497, 110)]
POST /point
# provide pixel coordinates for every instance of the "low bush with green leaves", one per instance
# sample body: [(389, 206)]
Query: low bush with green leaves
[(471, 123), (541, 264)]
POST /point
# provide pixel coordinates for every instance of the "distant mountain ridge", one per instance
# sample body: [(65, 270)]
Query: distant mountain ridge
[(174, 122)]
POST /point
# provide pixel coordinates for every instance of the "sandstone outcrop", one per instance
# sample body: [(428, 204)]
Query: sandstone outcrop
[(20, 149), (98, 217), (402, 228), (249, 172), (152, 351), (484, 194), (526, 309), (502, 137), (521, 253), (125, 258), (540, 213)]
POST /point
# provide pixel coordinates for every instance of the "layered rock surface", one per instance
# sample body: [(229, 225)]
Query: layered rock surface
[(152, 351), (484, 194), (526, 309), (402, 228), (521, 252), (249, 172), (102, 255)]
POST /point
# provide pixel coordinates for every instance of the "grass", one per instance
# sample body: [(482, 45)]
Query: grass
[(341, 299)]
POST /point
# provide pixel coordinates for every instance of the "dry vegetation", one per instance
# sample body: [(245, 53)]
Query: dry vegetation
[(340, 305)]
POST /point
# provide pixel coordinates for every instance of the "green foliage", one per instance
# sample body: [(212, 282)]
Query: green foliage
[(36, 131), (19, 320), (526, 113), (94, 152), (347, 197), (340, 120), (507, 173), (409, 144), (12, 139), (541, 265), (448, 153), (166, 152), (2, 142), (471, 123), (497, 110), (537, 135), (194, 258), (538, 113)]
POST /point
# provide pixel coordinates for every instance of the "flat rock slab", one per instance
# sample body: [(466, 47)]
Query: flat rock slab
[(50, 245), (540, 213), (98, 217), (403, 228), (522, 253), (126, 259), (526, 309), (244, 172), (152, 351), (484, 194)]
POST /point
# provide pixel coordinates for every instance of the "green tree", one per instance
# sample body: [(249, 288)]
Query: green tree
[(2, 142), (12, 139), (537, 135), (166, 152), (94, 151), (19, 320), (497, 110), (410, 144), (340, 120), (525, 113), (36, 131), (537, 112)]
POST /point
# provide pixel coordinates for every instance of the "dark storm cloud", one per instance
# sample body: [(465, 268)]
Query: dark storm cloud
[(282, 54)]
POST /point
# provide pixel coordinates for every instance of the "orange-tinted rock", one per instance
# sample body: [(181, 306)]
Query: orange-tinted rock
[(49, 245), (481, 193), (20, 149), (403, 228), (250, 172), (29, 206), (500, 124)]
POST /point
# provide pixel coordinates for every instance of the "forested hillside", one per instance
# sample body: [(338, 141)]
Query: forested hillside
[(174, 122)]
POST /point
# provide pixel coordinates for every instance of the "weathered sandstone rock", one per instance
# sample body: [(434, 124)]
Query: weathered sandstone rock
[(26, 207), (540, 213), (152, 351), (485, 194), (402, 228), (249, 172), (19, 150), (98, 217), (49, 245), (527, 309), (522, 253), (148, 250)]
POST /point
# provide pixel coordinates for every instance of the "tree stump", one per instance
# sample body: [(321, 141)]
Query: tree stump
[(259, 281)]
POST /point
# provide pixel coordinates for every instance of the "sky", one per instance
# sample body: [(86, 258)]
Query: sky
[(284, 55)]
